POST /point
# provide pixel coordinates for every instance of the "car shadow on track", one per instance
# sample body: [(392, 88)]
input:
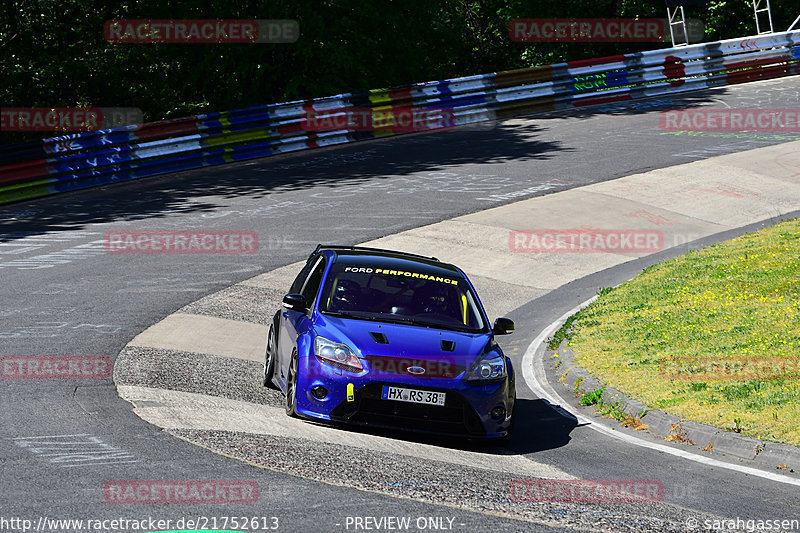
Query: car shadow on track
[(538, 427)]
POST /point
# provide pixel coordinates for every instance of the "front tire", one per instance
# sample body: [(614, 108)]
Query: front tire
[(270, 357), (291, 388), (506, 441)]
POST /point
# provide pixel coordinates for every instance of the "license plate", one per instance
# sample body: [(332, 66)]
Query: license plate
[(413, 396)]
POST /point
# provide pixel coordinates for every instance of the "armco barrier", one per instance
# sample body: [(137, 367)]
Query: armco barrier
[(84, 160)]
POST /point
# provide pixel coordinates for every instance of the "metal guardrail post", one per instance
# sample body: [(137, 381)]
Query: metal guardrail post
[(672, 16), (758, 8)]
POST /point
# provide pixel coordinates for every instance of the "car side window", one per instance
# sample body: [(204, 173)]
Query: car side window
[(311, 287), (298, 282)]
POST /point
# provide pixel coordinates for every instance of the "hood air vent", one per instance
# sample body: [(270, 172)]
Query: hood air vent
[(448, 346), (380, 338)]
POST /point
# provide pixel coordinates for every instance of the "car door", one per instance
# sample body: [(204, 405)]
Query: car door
[(296, 323)]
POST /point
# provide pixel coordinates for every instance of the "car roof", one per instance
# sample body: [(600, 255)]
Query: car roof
[(363, 256)]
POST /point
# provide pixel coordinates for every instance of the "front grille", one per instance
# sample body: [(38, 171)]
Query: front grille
[(456, 417), (440, 367)]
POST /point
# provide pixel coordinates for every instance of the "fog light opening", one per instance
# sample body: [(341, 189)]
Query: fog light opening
[(319, 392), (498, 412)]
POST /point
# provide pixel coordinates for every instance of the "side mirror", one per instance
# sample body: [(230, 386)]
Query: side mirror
[(295, 302), (503, 326)]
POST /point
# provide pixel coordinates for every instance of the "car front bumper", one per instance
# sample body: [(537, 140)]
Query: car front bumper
[(467, 410)]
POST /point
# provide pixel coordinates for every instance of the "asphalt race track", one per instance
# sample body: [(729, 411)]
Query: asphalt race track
[(64, 441)]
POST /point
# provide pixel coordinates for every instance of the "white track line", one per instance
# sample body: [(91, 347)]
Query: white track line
[(534, 375)]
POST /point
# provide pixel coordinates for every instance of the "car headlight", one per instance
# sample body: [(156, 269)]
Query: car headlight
[(337, 354), (489, 369)]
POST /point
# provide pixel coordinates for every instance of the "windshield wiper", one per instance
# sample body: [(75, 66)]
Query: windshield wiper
[(414, 322), (342, 314), (377, 318), (401, 320)]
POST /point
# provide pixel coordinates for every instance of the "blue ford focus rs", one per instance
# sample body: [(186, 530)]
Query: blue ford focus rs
[(393, 340)]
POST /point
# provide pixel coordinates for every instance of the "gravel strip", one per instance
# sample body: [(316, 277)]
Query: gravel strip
[(431, 481), (244, 303), (236, 379)]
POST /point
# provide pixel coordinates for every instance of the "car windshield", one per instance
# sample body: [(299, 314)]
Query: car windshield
[(413, 296)]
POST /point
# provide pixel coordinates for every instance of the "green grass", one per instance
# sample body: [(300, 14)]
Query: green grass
[(682, 335), (565, 331), (592, 398)]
